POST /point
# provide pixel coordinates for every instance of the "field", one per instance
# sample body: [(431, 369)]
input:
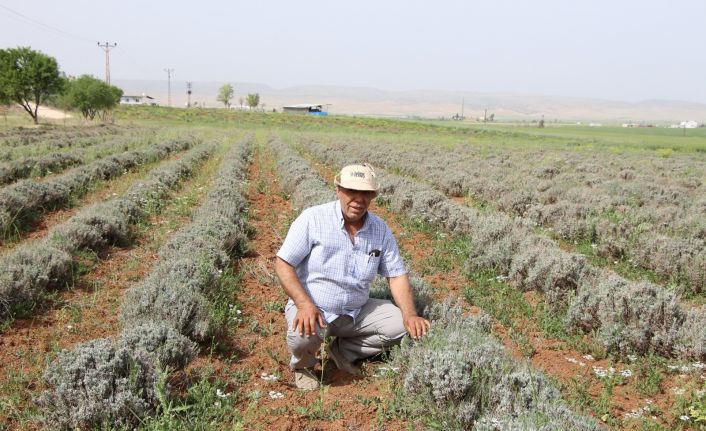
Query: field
[(563, 270)]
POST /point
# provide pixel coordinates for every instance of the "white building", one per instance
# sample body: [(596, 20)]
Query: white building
[(685, 125), (138, 100)]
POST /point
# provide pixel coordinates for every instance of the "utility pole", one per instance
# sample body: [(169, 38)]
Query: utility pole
[(169, 86), (463, 103), (188, 94), (107, 47)]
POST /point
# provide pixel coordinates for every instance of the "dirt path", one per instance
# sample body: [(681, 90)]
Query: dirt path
[(90, 309), (273, 403)]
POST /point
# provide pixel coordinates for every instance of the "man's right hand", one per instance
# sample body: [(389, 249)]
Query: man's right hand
[(306, 319)]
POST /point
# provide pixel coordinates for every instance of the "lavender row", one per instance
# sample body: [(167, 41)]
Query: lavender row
[(29, 271)]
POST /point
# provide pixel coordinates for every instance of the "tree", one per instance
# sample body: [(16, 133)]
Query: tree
[(241, 100), (28, 77), (91, 96), (253, 100), (225, 94)]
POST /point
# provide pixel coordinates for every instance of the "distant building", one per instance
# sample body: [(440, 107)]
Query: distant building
[(308, 108), (138, 100), (685, 125)]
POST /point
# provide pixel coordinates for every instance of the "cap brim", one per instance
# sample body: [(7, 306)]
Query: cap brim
[(355, 185)]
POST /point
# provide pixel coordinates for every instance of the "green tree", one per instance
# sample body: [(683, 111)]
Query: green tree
[(28, 77), (225, 94), (253, 100), (91, 96)]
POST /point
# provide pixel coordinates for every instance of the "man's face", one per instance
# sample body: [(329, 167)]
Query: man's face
[(354, 203)]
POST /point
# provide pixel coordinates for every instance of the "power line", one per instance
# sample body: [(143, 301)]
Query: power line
[(46, 26)]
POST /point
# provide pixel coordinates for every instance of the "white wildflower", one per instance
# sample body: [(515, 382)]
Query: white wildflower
[(221, 394), (626, 373), (685, 418), (679, 391), (276, 395), (269, 377), (589, 357), (632, 358)]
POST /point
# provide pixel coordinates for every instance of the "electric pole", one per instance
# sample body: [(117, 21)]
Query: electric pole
[(107, 47), (169, 86), (188, 94), (463, 105)]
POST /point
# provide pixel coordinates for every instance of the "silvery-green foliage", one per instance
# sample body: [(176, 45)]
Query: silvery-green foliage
[(28, 272), (92, 229), (190, 264), (184, 308), (25, 199), (460, 377), (156, 315), (421, 292), (578, 195), (628, 317), (101, 383), (172, 350), (495, 242), (540, 266), (306, 186), (692, 335), (509, 247), (37, 165)]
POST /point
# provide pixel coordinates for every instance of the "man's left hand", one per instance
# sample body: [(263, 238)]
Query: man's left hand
[(416, 326)]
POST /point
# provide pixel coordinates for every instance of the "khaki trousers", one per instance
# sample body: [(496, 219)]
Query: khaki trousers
[(379, 325)]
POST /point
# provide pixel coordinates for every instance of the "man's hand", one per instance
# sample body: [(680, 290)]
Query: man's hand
[(416, 326), (307, 314), (306, 319)]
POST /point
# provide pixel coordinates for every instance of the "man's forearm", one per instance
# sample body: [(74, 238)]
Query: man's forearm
[(290, 283), (402, 294)]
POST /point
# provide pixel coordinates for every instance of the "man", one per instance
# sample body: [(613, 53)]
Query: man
[(326, 264)]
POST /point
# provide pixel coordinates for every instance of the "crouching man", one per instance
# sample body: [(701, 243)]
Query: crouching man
[(330, 256)]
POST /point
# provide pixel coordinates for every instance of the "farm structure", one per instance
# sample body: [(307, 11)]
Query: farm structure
[(564, 282), (307, 108), (143, 99)]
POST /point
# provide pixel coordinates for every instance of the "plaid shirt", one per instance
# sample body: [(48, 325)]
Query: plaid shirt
[(335, 272)]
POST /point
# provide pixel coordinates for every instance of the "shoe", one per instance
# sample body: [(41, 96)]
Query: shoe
[(342, 363), (306, 379)]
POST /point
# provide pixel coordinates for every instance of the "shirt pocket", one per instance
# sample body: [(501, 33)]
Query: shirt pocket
[(367, 267)]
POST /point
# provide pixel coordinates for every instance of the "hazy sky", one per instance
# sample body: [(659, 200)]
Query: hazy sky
[(624, 50)]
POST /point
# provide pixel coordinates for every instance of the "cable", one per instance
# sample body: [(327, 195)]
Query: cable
[(33, 21)]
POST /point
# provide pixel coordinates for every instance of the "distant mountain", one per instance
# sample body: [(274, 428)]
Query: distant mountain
[(429, 103)]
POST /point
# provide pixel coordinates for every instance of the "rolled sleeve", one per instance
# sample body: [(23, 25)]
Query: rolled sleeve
[(391, 264), (297, 244)]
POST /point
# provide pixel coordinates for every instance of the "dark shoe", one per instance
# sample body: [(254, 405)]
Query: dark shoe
[(306, 379), (341, 362)]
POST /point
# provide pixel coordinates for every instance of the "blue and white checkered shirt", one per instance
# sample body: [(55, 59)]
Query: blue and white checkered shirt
[(335, 272)]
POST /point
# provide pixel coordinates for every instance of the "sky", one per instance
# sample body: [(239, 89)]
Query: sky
[(626, 50)]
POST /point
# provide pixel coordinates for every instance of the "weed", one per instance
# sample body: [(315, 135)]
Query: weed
[(648, 376)]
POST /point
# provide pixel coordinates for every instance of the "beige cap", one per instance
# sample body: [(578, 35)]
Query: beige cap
[(358, 177)]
